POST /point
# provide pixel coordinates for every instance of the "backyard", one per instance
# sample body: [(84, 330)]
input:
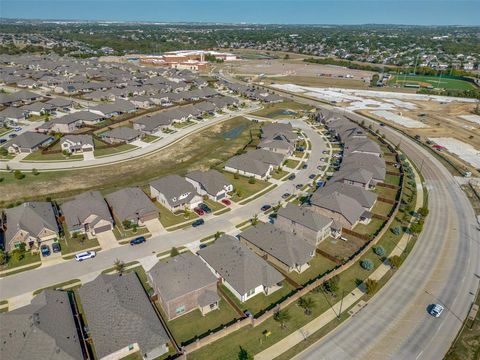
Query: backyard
[(242, 189)]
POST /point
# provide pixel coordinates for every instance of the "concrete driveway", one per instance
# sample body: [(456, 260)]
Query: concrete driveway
[(154, 227), (107, 240), (88, 155)]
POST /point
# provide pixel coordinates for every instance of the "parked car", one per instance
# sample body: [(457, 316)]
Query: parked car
[(199, 211), (138, 240), (198, 222), (11, 136), (312, 176), (322, 159), (205, 208), (3, 141), (56, 247), (85, 255), (381, 124), (291, 177), (325, 152), (45, 250), (265, 207), (226, 202), (436, 310), (304, 166), (299, 186), (286, 195), (17, 128), (203, 246)]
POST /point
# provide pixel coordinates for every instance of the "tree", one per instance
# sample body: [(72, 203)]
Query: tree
[(423, 211), (416, 228), (367, 264), (186, 213), (371, 286), (127, 224), (244, 355), (252, 180), (35, 172), (379, 250), (174, 252), (217, 235), (282, 317), (306, 303), (331, 285), (119, 266), (18, 175), (395, 261), (3, 257), (255, 220), (397, 230)]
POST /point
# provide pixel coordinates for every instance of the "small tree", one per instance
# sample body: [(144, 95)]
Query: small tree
[(244, 355), (119, 266), (282, 317), (3, 257), (236, 176), (396, 230), (35, 172), (217, 235), (395, 261), (3, 151), (423, 211), (127, 224), (371, 286), (331, 285), (255, 220), (18, 175), (17, 255), (306, 303), (416, 228), (252, 180), (379, 250), (134, 228), (174, 252), (367, 264)]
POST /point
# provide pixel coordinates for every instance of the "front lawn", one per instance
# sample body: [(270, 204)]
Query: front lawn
[(279, 174), (26, 258), (318, 265), (183, 124), (167, 218), (292, 164), (120, 233), (39, 156), (242, 188), (81, 243), (149, 138)]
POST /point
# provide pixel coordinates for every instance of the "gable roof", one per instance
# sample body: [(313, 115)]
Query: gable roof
[(119, 313), (28, 140), (304, 216), (246, 163), (211, 180), (239, 266), (172, 187), (45, 329), (339, 203), (122, 133), (78, 139), (130, 203), (354, 174), (364, 197), (76, 211)]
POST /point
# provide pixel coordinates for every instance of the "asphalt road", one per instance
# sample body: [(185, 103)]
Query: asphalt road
[(28, 281)]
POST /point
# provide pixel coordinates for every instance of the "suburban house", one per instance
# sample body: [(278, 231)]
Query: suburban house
[(121, 134), (246, 165), (37, 109), (210, 183), (30, 223), (371, 163), (44, 329), (354, 176), (362, 146), (282, 248), (120, 316), (304, 223), (77, 144), (183, 284), (281, 146), (27, 142), (133, 205), (364, 197), (61, 104), (71, 122), (240, 270), (175, 193), (115, 108), (13, 115), (267, 157), (87, 213), (279, 131)]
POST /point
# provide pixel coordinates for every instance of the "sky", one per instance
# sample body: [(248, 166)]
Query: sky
[(407, 12)]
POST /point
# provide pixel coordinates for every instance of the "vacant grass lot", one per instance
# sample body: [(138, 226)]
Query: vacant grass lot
[(243, 187), (202, 150)]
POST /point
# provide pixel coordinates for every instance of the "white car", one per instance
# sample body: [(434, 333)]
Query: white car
[(85, 255), (436, 310)]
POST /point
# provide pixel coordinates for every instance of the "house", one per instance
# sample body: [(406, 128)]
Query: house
[(267, 157), (115, 108), (121, 134), (175, 193), (247, 166), (240, 270), (61, 104), (304, 223), (71, 122), (282, 248), (133, 205), (30, 223), (365, 198), (77, 143), (183, 284), (279, 131), (37, 109), (152, 123), (352, 175), (282, 146), (362, 146), (120, 315), (371, 163), (210, 183), (13, 114), (44, 329), (27, 142), (87, 213)]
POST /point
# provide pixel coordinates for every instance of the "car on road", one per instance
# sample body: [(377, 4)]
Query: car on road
[(199, 211), (322, 159), (203, 246), (17, 128), (325, 152), (11, 136), (291, 177), (436, 310), (85, 255), (45, 250), (286, 195), (138, 240), (198, 222), (3, 141), (312, 176), (265, 207), (226, 202), (56, 248), (304, 166), (299, 186), (205, 208), (381, 124)]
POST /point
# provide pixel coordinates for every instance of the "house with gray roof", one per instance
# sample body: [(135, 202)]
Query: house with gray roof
[(280, 146), (247, 165), (71, 122), (133, 205), (243, 272), (115, 108), (45, 329), (87, 213), (30, 223), (183, 284), (354, 176), (282, 248), (211, 183), (279, 131), (371, 163), (362, 146), (119, 314), (121, 134), (175, 193), (77, 144), (27, 142), (365, 198), (304, 222), (13, 115)]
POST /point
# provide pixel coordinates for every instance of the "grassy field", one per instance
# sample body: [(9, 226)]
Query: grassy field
[(242, 186), (113, 150), (202, 150), (167, 218), (282, 110), (434, 81)]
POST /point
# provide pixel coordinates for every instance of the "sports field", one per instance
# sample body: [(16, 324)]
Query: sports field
[(431, 81)]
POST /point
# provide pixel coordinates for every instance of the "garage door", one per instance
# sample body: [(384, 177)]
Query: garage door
[(101, 229), (87, 149), (221, 196), (151, 216)]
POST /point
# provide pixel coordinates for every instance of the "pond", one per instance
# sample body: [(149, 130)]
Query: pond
[(233, 133), (282, 112)]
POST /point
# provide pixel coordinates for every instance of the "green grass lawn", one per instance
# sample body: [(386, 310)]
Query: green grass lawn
[(71, 245), (382, 208), (434, 81), (27, 259), (183, 124), (214, 205), (167, 218), (279, 174), (38, 156), (113, 150), (284, 110), (149, 138), (4, 130), (386, 192), (193, 324), (120, 233), (392, 179), (244, 187), (318, 265), (292, 164), (370, 228)]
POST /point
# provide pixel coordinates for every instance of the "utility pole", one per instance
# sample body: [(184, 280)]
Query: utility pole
[(341, 304)]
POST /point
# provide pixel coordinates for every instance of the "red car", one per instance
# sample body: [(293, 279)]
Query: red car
[(226, 202), (199, 211)]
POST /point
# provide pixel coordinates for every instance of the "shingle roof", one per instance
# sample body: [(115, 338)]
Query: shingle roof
[(354, 174), (239, 266), (122, 133), (181, 275), (172, 187), (304, 216), (45, 329), (364, 197), (339, 203), (78, 210), (212, 181), (118, 314), (246, 163), (130, 203), (28, 140)]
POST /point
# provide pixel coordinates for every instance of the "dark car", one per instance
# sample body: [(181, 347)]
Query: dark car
[(45, 250), (312, 176), (203, 246), (265, 207), (226, 202), (198, 222), (11, 136), (3, 141), (138, 240), (205, 208), (299, 186), (304, 166), (291, 177), (286, 196), (56, 247)]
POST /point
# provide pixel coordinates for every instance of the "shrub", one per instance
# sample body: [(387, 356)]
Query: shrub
[(416, 228), (367, 264), (3, 257), (174, 252), (379, 250), (395, 261), (18, 175), (252, 180), (35, 172), (371, 286), (396, 230), (423, 211), (236, 175)]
